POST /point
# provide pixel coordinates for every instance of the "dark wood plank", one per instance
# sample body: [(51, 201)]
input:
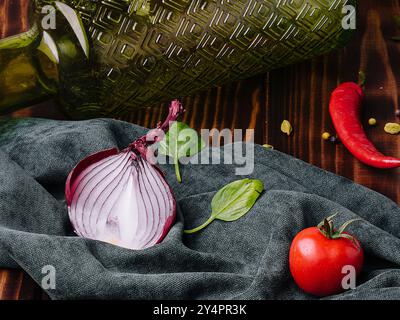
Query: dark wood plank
[(298, 93)]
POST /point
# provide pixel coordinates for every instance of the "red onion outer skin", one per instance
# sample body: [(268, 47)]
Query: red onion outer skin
[(112, 191)]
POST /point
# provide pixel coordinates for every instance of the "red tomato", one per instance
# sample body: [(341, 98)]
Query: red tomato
[(316, 262)]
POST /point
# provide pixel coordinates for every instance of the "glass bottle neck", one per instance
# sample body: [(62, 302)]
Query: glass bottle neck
[(27, 76)]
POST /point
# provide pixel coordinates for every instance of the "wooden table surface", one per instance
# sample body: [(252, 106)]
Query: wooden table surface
[(298, 93)]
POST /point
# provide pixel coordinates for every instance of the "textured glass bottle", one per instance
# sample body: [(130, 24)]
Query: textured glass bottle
[(142, 52)]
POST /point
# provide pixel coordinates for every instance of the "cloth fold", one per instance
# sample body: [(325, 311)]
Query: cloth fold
[(245, 259)]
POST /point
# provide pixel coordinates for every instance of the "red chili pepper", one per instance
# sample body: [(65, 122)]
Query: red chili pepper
[(345, 110)]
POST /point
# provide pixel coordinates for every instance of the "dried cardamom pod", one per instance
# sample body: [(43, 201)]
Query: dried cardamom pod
[(392, 128), (286, 127)]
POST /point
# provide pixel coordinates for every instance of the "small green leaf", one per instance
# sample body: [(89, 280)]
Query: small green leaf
[(349, 237), (236, 199), (392, 128), (233, 201), (286, 127), (180, 141), (346, 224)]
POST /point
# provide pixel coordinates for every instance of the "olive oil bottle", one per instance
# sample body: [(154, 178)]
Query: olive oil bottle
[(105, 58)]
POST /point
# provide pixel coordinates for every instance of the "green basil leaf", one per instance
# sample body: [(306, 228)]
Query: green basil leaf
[(233, 201), (180, 141)]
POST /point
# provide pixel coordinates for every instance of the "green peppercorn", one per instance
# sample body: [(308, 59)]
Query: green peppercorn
[(372, 122), (326, 135)]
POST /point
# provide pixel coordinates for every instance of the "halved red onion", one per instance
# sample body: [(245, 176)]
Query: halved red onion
[(120, 197)]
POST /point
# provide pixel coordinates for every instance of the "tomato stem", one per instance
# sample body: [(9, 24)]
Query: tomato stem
[(327, 228)]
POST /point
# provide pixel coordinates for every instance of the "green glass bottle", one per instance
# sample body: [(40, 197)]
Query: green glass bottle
[(105, 58)]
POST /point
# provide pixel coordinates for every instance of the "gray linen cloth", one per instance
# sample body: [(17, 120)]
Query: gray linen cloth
[(246, 259)]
